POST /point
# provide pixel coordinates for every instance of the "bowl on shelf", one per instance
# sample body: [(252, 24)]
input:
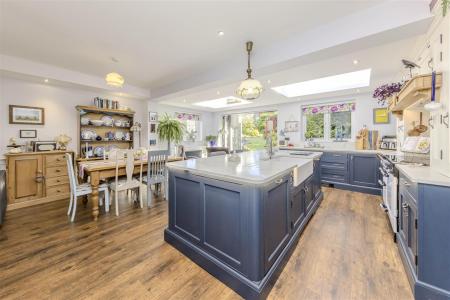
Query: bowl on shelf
[(118, 123), (97, 122), (84, 121)]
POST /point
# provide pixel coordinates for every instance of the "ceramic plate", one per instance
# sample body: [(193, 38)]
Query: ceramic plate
[(84, 121), (107, 120), (98, 151), (88, 135), (119, 135)]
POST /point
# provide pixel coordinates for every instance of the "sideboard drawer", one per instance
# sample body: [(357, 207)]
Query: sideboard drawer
[(55, 160), (57, 180), (56, 171), (58, 190)]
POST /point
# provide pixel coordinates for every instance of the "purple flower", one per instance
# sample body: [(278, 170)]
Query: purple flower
[(314, 110), (334, 108)]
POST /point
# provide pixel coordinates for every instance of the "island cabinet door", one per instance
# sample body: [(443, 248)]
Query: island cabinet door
[(364, 170), (316, 179), (309, 193), (297, 206), (276, 220), (214, 215)]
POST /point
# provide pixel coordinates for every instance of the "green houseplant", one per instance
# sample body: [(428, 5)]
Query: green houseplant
[(170, 130)]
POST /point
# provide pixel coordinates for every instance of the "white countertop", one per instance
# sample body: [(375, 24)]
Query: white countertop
[(327, 149), (254, 167), (423, 174)]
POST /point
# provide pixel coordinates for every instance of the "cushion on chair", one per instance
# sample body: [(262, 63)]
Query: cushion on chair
[(123, 185)]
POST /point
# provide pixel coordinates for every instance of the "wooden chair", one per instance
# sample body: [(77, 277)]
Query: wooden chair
[(156, 173), (130, 182), (77, 190)]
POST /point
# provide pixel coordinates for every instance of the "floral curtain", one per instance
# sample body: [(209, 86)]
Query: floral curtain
[(329, 108), (187, 116)]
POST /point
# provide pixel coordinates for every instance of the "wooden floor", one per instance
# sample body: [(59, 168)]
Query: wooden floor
[(346, 252)]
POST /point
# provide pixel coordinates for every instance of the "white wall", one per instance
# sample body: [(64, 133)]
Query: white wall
[(60, 113), (208, 122), (292, 112)]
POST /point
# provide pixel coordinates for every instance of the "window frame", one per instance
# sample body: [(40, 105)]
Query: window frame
[(327, 127)]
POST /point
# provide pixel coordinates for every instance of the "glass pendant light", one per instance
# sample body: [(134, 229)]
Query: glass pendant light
[(250, 88), (114, 79)]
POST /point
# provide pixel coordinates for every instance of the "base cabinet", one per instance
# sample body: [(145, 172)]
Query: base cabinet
[(353, 171), (241, 233), (34, 178), (424, 238)]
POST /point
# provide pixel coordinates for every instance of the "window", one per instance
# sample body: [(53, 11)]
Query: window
[(193, 126), (328, 122)]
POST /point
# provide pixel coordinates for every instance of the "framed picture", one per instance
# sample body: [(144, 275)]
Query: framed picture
[(152, 142), (381, 116), (28, 134), (26, 115), (152, 127), (291, 126), (153, 117)]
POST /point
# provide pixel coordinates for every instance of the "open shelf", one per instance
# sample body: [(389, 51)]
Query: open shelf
[(108, 141), (416, 91)]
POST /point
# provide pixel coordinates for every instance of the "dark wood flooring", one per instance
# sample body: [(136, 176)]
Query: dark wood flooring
[(346, 252)]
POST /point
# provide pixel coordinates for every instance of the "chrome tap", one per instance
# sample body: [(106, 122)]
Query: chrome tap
[(269, 145)]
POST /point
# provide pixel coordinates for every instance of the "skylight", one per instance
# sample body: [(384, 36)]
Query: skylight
[(222, 102), (333, 83)]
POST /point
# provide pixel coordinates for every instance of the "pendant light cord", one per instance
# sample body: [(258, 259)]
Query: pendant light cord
[(249, 50)]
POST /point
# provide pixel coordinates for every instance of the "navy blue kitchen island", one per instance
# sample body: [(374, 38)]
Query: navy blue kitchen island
[(240, 220)]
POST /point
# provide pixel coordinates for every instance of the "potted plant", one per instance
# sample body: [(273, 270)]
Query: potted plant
[(211, 139), (170, 130)]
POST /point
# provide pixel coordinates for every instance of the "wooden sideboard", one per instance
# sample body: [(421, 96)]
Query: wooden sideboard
[(36, 177)]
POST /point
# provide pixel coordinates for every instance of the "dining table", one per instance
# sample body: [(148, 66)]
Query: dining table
[(97, 170)]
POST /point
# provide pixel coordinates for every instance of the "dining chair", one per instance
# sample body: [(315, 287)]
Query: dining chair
[(156, 173), (77, 190), (130, 182)]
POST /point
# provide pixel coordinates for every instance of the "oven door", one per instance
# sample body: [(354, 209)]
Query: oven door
[(391, 199)]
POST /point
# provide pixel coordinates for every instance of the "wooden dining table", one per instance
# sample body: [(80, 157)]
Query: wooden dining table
[(99, 170)]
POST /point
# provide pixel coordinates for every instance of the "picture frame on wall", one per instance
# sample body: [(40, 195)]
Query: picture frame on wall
[(381, 116), (291, 126), (28, 133), (29, 115), (153, 117), (152, 127)]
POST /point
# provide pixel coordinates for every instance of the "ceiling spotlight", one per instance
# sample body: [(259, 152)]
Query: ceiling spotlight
[(45, 80), (357, 90), (218, 92), (355, 61), (269, 81), (220, 33), (184, 100)]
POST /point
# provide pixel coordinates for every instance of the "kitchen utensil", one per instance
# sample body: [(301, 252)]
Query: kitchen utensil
[(107, 120), (421, 128)]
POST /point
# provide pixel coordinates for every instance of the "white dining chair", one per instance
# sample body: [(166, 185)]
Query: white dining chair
[(130, 182), (156, 173), (77, 190)]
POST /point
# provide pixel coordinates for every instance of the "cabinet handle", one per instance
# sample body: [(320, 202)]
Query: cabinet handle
[(279, 180), (445, 118), (405, 205), (58, 170), (406, 183), (306, 189)]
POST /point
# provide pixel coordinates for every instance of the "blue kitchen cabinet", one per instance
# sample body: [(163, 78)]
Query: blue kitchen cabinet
[(363, 169), (276, 225), (353, 171), (242, 233), (297, 206), (424, 237)]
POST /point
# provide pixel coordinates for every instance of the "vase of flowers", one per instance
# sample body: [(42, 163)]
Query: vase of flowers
[(382, 93)]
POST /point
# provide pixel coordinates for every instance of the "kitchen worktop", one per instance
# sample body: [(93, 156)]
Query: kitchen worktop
[(253, 167), (329, 149), (423, 174)]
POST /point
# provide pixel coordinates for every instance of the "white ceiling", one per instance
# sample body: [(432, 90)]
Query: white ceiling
[(156, 43), (384, 60)]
